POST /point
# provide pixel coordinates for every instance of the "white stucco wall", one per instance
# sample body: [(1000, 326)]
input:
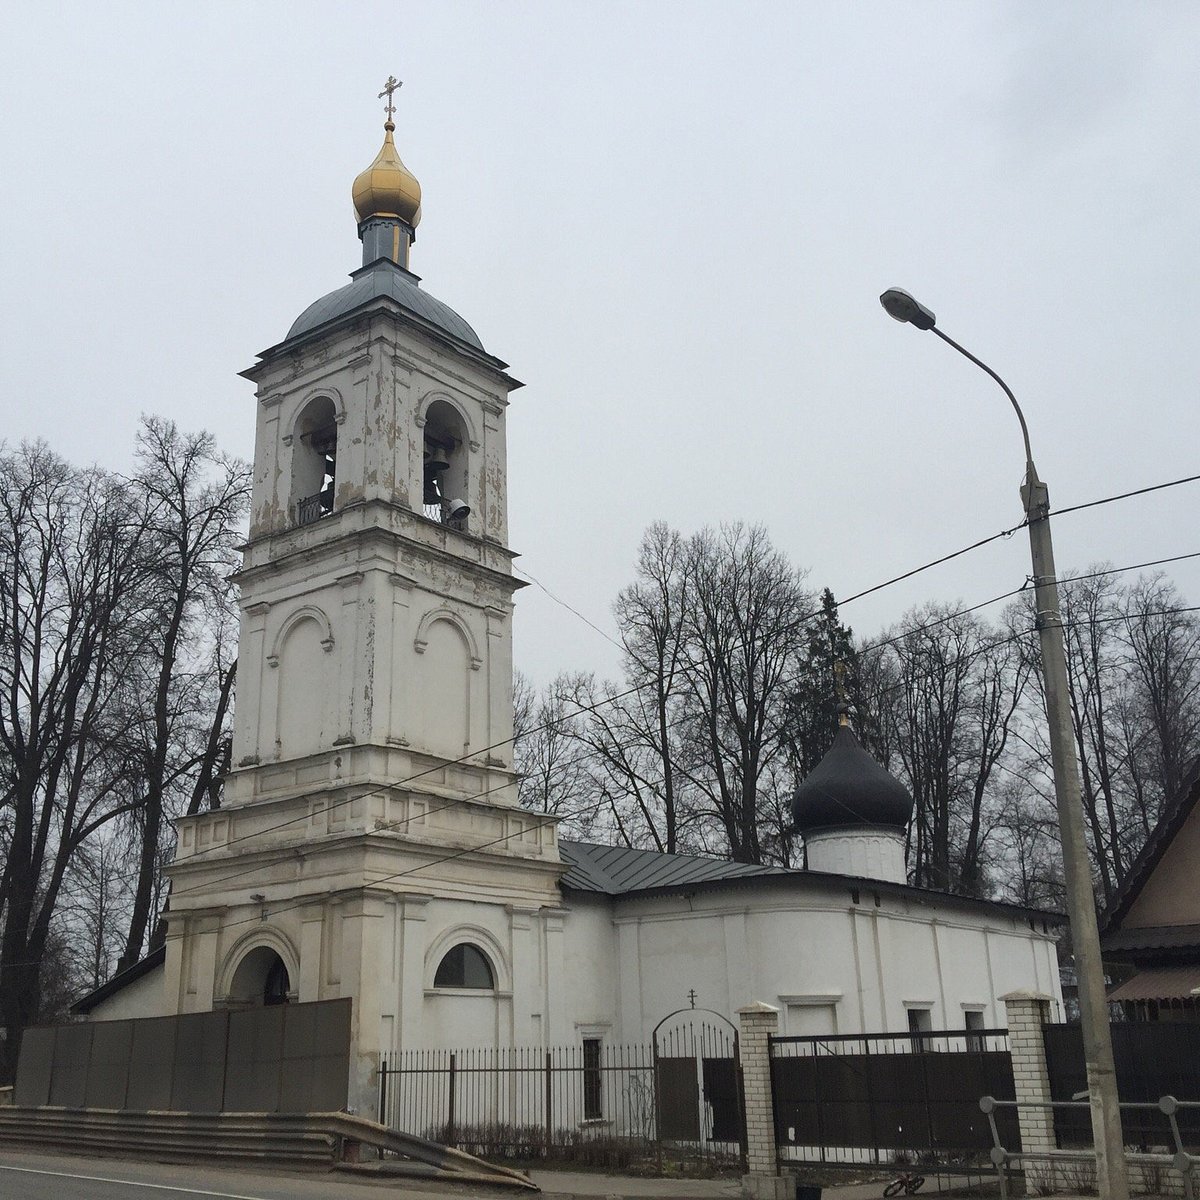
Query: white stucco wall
[(829, 963), (615, 968), (141, 998), (870, 853)]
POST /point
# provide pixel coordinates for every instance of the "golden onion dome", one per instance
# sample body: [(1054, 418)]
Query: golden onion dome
[(387, 188)]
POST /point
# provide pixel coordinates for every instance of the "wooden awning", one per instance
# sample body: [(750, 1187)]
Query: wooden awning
[(1161, 983)]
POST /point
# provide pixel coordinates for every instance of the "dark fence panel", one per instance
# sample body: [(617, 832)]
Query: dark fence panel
[(722, 1090), (198, 1065), (32, 1085), (68, 1082), (151, 1062), (315, 1057), (862, 1098), (1152, 1059), (678, 1113), (108, 1067), (254, 1062), (289, 1058)]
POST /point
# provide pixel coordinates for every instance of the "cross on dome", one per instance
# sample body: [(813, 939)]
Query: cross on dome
[(390, 89)]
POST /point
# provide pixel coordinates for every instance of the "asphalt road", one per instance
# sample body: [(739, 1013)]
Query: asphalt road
[(62, 1177)]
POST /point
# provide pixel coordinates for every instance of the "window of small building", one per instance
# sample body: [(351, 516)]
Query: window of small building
[(593, 1104), (973, 1021), (465, 966), (920, 1021)]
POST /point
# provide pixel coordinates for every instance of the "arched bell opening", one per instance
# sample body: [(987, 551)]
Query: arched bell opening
[(445, 466), (260, 981), (314, 461)]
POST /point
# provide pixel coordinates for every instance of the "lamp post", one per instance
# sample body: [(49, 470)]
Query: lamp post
[(1111, 1175)]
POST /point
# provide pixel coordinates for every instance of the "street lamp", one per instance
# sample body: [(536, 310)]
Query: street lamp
[(1111, 1174)]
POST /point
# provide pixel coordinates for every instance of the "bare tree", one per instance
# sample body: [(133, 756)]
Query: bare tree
[(1163, 646), (195, 500), (746, 630), (548, 754), (1133, 659), (953, 709), (70, 572), (651, 615)]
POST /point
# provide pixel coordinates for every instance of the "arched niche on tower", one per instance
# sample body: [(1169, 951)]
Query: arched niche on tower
[(305, 672), (449, 441), (446, 666), (313, 442), (261, 968)]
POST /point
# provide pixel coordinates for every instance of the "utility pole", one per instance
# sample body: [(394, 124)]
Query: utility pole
[(1112, 1176)]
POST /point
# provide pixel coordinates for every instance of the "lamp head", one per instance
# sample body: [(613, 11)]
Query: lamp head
[(902, 307)]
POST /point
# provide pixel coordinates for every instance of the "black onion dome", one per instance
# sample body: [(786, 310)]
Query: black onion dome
[(848, 788)]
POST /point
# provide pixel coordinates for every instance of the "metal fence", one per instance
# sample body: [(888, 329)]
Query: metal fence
[(595, 1104), (286, 1058), (1152, 1059), (877, 1098)]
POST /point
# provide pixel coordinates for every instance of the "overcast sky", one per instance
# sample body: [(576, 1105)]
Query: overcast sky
[(674, 222)]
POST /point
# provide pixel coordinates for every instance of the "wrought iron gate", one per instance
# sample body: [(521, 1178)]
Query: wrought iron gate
[(699, 1105)]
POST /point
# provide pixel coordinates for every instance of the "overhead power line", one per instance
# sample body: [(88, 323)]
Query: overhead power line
[(624, 694)]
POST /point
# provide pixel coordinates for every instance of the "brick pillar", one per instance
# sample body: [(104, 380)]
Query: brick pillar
[(1027, 1012), (758, 1022)]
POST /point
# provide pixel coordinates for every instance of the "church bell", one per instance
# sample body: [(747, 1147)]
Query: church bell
[(436, 464)]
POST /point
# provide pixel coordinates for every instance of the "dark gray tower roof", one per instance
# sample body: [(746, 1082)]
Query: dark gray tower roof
[(384, 279), (848, 789)]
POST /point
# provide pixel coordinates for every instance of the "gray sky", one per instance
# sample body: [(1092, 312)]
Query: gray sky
[(674, 221)]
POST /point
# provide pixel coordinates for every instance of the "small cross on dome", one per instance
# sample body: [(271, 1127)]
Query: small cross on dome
[(390, 89)]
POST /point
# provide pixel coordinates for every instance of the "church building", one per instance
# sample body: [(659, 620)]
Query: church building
[(370, 844)]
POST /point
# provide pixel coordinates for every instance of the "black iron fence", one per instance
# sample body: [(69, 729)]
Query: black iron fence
[(889, 1097), (593, 1103), (1152, 1059)]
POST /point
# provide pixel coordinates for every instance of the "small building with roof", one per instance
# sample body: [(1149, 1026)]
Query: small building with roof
[(1150, 931), (370, 843)]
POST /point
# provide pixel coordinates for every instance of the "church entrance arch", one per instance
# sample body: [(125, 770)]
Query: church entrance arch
[(260, 980), (698, 1084)]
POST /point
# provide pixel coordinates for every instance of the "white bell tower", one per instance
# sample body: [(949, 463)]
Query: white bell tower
[(377, 583), (371, 793)]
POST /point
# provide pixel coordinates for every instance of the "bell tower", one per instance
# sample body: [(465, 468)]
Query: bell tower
[(377, 583), (371, 808)]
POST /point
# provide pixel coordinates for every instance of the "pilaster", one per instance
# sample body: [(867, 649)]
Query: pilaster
[(412, 968), (558, 1030)]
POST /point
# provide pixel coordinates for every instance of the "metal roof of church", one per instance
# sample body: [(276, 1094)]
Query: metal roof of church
[(384, 279), (615, 870), (618, 871)]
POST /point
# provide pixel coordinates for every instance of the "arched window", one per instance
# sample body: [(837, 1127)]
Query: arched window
[(465, 966), (314, 461), (445, 479)]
